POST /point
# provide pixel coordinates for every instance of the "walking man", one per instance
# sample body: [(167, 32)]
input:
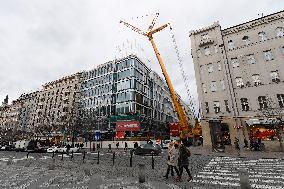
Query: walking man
[(117, 144), (183, 162), (125, 146), (173, 160)]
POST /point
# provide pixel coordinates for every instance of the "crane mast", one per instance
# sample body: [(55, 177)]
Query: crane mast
[(184, 125)]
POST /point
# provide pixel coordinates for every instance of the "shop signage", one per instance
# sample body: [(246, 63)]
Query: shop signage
[(128, 126)]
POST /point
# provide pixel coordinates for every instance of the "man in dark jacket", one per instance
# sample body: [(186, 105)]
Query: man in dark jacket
[(183, 162)]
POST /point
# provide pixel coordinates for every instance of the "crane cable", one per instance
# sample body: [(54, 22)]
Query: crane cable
[(184, 75)]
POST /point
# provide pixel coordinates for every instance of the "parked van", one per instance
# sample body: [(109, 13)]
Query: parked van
[(21, 145)]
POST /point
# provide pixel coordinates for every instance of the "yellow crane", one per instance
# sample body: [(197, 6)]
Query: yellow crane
[(185, 127)]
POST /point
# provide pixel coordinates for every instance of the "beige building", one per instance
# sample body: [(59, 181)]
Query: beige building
[(57, 105), (239, 72)]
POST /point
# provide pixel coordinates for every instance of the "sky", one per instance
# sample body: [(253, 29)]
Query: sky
[(44, 40)]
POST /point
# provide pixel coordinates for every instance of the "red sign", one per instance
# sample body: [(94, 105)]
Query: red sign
[(128, 126), (174, 129), (120, 134)]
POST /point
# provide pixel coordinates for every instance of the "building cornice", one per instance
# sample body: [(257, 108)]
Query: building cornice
[(194, 32), (254, 23)]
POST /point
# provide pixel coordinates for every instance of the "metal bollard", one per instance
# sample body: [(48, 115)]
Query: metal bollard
[(52, 154), (72, 155), (131, 154), (141, 173), (244, 181), (28, 155), (98, 157), (113, 158), (62, 156), (84, 156), (153, 167)]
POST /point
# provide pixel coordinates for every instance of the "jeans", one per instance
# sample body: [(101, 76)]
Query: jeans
[(171, 168), (181, 170)]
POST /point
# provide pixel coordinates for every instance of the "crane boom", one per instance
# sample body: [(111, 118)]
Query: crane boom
[(153, 22), (184, 125)]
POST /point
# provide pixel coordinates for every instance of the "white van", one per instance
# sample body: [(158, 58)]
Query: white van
[(21, 145)]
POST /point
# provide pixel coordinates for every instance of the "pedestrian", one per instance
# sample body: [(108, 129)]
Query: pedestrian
[(117, 145), (170, 168), (183, 161), (173, 160), (109, 147), (125, 146), (237, 146)]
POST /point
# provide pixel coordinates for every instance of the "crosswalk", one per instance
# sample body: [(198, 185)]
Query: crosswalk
[(225, 171)]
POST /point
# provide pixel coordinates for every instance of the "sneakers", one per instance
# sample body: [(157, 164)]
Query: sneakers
[(189, 179)]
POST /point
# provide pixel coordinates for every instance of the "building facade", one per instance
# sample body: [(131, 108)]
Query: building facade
[(124, 87), (239, 72)]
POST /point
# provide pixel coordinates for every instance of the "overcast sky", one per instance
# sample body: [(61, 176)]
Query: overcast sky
[(44, 40)]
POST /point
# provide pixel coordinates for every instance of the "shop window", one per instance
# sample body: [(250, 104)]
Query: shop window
[(213, 86), (246, 40), (262, 36), (256, 79), (268, 55), (245, 104), (262, 101), (239, 82), (216, 106), (207, 51), (231, 45), (210, 68), (274, 76), (251, 59), (280, 98), (227, 105), (279, 32), (235, 62), (206, 107)]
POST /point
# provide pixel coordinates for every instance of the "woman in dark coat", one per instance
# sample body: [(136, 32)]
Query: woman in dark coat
[(183, 161)]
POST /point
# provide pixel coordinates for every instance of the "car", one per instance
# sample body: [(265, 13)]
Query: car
[(52, 149), (8, 148), (165, 144), (148, 149), (64, 149)]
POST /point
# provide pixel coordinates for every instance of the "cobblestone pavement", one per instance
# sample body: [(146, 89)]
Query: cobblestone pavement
[(208, 170)]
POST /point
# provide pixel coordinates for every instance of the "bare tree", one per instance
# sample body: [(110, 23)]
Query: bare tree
[(274, 115)]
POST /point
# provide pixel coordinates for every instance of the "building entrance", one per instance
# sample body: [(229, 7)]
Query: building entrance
[(220, 135)]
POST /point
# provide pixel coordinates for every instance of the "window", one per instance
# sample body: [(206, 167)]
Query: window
[(210, 68), (262, 102), (279, 32), (231, 45), (204, 88), (216, 106), (227, 105), (201, 70), (280, 98), (213, 86), (235, 62), (198, 53), (206, 107), (207, 51), (205, 36), (239, 82), (246, 40), (216, 48), (268, 55), (256, 79), (274, 76), (262, 36), (219, 66), (251, 59), (223, 87), (245, 104)]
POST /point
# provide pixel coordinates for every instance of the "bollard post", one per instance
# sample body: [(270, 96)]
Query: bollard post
[(52, 154), (244, 181), (141, 173), (131, 154), (153, 160), (84, 156), (28, 155), (98, 157), (113, 157), (62, 156), (72, 155)]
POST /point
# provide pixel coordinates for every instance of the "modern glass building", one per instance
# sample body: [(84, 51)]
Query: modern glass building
[(125, 87)]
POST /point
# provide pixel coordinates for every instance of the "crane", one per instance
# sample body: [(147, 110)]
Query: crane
[(184, 126)]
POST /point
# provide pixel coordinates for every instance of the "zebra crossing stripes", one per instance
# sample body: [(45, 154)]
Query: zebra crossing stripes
[(224, 171)]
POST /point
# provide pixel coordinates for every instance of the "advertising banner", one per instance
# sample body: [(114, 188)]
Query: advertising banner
[(128, 126), (174, 129)]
